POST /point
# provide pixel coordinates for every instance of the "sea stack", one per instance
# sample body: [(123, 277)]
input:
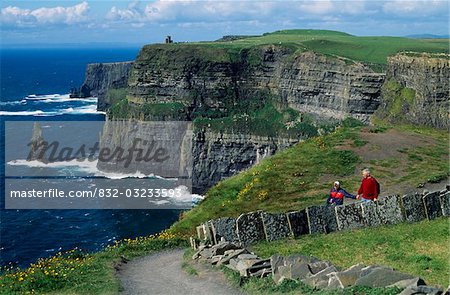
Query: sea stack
[(37, 144)]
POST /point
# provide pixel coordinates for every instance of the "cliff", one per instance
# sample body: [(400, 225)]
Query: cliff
[(223, 87), (210, 77), (101, 77), (326, 86), (205, 157), (417, 90), (218, 156)]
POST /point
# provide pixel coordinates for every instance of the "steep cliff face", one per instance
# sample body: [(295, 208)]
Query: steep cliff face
[(218, 156), (204, 78), (417, 90), (317, 84), (189, 74), (100, 77), (199, 76)]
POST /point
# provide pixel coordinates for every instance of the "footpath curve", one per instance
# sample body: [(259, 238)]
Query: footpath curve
[(161, 273)]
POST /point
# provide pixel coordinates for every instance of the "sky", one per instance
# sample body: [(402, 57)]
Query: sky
[(144, 22)]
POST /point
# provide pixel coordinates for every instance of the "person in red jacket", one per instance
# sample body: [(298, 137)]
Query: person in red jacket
[(368, 191)]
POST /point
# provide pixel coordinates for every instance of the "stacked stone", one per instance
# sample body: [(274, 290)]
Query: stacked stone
[(323, 275), (309, 270), (234, 257), (252, 227)]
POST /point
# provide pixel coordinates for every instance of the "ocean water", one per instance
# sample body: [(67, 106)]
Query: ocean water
[(34, 87)]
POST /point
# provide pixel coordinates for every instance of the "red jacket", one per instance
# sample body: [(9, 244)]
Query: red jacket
[(368, 188)]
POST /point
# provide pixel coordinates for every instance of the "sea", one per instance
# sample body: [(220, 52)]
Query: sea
[(35, 85)]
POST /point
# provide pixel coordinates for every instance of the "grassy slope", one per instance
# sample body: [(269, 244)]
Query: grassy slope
[(419, 249), (373, 49), (75, 272), (401, 158)]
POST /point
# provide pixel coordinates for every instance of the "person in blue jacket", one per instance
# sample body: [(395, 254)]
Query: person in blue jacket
[(337, 195)]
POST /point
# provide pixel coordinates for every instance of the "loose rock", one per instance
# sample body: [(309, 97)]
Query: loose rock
[(320, 279), (382, 277), (346, 278)]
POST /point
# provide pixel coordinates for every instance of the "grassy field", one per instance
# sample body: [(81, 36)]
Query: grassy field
[(371, 50), (402, 158), (420, 249)]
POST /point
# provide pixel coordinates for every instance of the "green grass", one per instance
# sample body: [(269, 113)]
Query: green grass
[(76, 272), (418, 249), (289, 180), (302, 175), (399, 101), (262, 120), (114, 96), (371, 50), (123, 109), (187, 262)]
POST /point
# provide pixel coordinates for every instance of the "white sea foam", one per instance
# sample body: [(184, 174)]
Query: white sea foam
[(90, 167), (89, 109), (14, 102), (185, 195), (24, 113), (84, 167), (55, 98), (159, 202), (52, 98)]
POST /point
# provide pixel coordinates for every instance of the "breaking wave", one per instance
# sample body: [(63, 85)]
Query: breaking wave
[(47, 105)]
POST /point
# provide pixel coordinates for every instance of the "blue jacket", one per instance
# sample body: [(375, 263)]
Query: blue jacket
[(336, 197)]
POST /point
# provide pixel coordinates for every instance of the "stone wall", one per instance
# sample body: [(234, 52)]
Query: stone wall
[(252, 227)]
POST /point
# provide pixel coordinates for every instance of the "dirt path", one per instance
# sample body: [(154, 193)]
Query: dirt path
[(161, 273)]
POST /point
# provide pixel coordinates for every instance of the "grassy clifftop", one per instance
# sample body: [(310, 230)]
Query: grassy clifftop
[(401, 158), (371, 49)]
